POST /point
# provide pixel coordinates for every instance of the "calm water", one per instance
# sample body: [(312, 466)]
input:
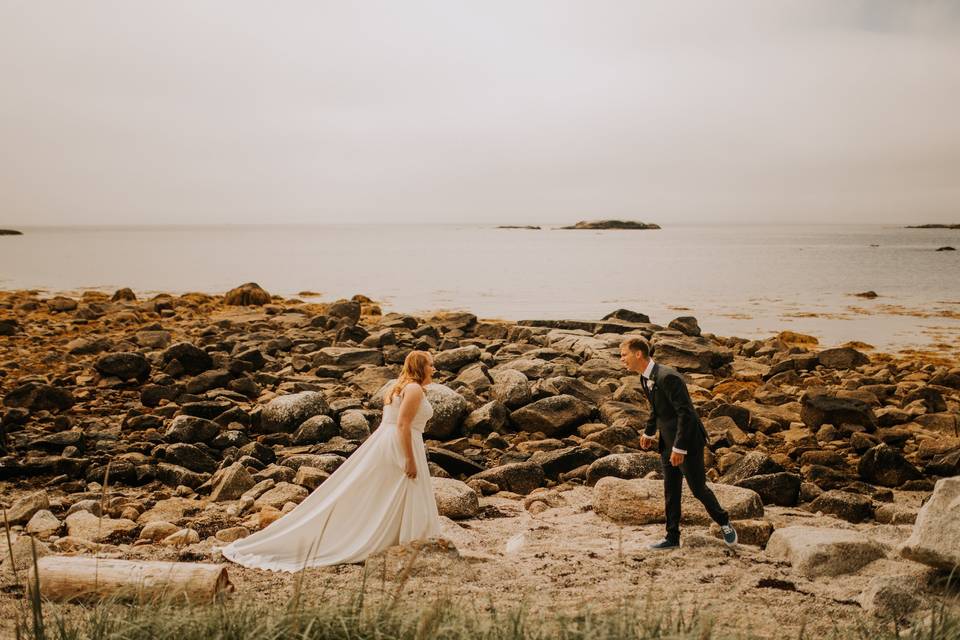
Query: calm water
[(738, 280)]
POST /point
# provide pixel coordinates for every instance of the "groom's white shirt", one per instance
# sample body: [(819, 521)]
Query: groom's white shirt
[(650, 384)]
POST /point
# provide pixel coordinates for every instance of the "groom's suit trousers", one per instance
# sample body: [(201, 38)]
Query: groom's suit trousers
[(693, 470)]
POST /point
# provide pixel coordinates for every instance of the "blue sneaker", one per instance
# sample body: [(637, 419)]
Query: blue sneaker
[(729, 534), (663, 544)]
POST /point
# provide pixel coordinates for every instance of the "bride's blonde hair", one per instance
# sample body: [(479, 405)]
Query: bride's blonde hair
[(414, 370)]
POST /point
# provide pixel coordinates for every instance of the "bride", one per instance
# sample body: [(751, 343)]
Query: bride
[(381, 496)]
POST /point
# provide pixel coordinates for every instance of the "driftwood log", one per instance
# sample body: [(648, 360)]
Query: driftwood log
[(67, 579)]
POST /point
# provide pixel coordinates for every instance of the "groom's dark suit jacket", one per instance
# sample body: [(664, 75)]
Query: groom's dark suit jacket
[(672, 412)]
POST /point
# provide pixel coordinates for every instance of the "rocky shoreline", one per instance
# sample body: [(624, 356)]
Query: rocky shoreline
[(173, 425)]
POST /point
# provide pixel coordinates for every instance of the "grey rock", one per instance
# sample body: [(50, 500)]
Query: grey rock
[(286, 413), (510, 387), (819, 408), (935, 540), (125, 365), (553, 415), (781, 489), (517, 477), (842, 358), (192, 359), (191, 429), (354, 425), (455, 499), (316, 429), (814, 552), (884, 466), (449, 410), (627, 466), (455, 359), (491, 417), (851, 507), (234, 482), (640, 501)]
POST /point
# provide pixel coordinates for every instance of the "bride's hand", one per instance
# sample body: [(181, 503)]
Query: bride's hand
[(411, 469)]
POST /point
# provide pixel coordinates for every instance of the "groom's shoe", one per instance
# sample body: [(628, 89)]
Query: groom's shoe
[(729, 534), (663, 545)]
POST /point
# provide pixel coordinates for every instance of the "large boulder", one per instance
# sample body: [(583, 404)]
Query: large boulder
[(517, 477), (287, 413), (455, 359), (511, 387), (691, 355), (24, 508), (819, 408), (192, 359), (124, 365), (936, 535), (491, 417), (636, 502), (39, 397), (454, 498), (235, 480), (173, 475), (316, 429), (190, 457), (553, 415), (346, 358), (191, 429), (281, 494), (884, 466), (452, 462), (568, 458), (852, 507), (842, 358), (624, 465), (781, 489), (449, 409), (249, 294), (86, 526), (755, 463), (814, 552)]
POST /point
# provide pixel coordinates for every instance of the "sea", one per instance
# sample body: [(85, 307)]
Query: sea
[(751, 281)]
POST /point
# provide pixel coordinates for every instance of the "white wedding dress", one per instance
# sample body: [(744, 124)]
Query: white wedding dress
[(365, 506)]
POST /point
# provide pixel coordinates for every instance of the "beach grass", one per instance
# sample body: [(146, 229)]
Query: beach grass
[(382, 614)]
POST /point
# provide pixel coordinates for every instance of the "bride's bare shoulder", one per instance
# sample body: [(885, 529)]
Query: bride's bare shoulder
[(412, 388)]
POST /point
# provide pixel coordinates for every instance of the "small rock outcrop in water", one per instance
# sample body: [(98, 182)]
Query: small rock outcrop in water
[(947, 249), (10, 232), (613, 224), (530, 227), (249, 294), (866, 294)]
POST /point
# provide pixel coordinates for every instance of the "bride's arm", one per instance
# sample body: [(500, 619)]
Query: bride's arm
[(410, 404)]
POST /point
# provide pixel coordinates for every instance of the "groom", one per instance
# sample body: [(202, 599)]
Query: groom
[(682, 439)]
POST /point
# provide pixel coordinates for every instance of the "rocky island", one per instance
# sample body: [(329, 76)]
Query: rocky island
[(10, 232), (612, 224), (164, 428)]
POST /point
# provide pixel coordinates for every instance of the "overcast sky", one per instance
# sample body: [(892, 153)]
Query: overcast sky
[(178, 112)]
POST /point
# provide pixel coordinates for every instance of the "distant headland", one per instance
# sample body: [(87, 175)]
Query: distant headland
[(10, 232), (934, 226)]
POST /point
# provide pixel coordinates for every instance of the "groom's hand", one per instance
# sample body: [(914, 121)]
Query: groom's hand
[(646, 442), (676, 459)]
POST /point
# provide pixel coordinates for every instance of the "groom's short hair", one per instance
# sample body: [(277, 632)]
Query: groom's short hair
[(639, 343)]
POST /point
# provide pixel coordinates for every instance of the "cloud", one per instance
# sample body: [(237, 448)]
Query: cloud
[(183, 112)]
